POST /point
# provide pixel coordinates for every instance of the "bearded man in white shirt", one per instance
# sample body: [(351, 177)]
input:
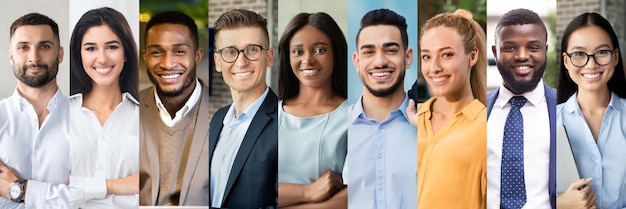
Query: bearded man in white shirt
[(34, 159)]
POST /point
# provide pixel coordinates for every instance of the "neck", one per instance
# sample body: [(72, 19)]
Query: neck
[(590, 100), (242, 100), (453, 103), (38, 96), (175, 103), (379, 108), (316, 95), (103, 98)]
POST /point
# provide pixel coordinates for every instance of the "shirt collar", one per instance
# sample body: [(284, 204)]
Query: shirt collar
[(571, 105), (193, 99), (471, 110), (357, 110), (21, 102), (249, 112), (534, 97)]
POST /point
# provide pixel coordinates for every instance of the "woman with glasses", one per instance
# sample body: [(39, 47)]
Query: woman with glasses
[(592, 108), (104, 112), (312, 116)]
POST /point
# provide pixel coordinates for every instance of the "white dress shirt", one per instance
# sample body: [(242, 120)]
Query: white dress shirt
[(536, 147), (233, 131), (39, 155), (101, 152), (165, 116)]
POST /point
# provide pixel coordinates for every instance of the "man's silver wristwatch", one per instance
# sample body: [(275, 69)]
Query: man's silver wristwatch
[(16, 190)]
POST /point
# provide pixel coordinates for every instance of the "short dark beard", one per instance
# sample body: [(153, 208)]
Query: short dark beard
[(50, 72), (520, 87), (176, 92), (387, 91)]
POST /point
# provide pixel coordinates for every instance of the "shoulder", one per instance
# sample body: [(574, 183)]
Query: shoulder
[(145, 93)]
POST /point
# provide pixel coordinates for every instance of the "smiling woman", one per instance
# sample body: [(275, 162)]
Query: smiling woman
[(454, 65), (104, 112)]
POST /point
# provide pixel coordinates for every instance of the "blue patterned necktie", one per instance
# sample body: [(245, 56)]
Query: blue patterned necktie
[(512, 185)]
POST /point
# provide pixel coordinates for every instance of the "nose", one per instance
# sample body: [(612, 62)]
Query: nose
[(33, 55), (380, 60), (168, 62), (591, 62), (103, 57), (435, 65), (521, 54), (241, 60), (308, 58)]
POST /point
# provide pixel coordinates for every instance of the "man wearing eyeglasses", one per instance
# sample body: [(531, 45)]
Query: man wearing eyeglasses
[(244, 135), (174, 115)]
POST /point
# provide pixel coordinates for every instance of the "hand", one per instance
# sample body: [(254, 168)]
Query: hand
[(574, 198), (410, 110), (124, 186), (324, 187), (8, 175)]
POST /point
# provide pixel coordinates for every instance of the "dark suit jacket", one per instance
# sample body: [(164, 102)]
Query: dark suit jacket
[(551, 102), (253, 178), (195, 188)]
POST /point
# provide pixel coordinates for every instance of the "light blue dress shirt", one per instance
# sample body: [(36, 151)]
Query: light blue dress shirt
[(382, 160), (232, 134), (310, 146), (604, 161)]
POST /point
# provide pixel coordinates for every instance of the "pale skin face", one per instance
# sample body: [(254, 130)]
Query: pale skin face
[(102, 55), (381, 60), (171, 59), (243, 76), (445, 64), (35, 55), (311, 57), (589, 40)]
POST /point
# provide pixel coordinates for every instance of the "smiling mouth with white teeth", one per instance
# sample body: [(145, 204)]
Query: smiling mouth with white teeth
[(309, 71), (440, 79), (591, 75), (381, 74), (170, 76), (103, 70), (242, 74)]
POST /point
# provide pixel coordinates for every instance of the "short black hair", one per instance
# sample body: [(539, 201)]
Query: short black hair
[(520, 17), (174, 17), (35, 19), (567, 87), (385, 17), (129, 77)]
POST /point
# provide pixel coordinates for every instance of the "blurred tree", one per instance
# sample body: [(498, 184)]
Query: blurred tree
[(196, 9), (550, 75)]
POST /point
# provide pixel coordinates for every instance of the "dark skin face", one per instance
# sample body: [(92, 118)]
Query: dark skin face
[(520, 54)]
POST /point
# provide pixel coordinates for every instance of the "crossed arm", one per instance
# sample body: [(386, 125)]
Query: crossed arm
[(327, 191)]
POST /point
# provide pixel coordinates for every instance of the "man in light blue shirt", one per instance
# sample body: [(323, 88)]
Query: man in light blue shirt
[(382, 144)]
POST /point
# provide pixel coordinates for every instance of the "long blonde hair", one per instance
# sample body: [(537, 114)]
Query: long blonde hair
[(473, 38)]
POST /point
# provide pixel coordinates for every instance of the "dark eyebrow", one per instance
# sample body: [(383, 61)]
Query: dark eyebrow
[(366, 46), (598, 47), (314, 44), (391, 44)]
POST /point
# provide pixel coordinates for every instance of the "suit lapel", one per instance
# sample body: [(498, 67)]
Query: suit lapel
[(491, 99), (260, 120), (198, 142), (149, 116), (551, 101)]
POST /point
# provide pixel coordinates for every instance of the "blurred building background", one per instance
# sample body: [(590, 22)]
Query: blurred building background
[(220, 93)]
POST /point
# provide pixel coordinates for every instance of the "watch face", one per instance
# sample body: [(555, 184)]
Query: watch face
[(15, 190)]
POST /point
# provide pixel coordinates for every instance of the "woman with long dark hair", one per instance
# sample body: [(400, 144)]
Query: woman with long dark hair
[(104, 112)]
